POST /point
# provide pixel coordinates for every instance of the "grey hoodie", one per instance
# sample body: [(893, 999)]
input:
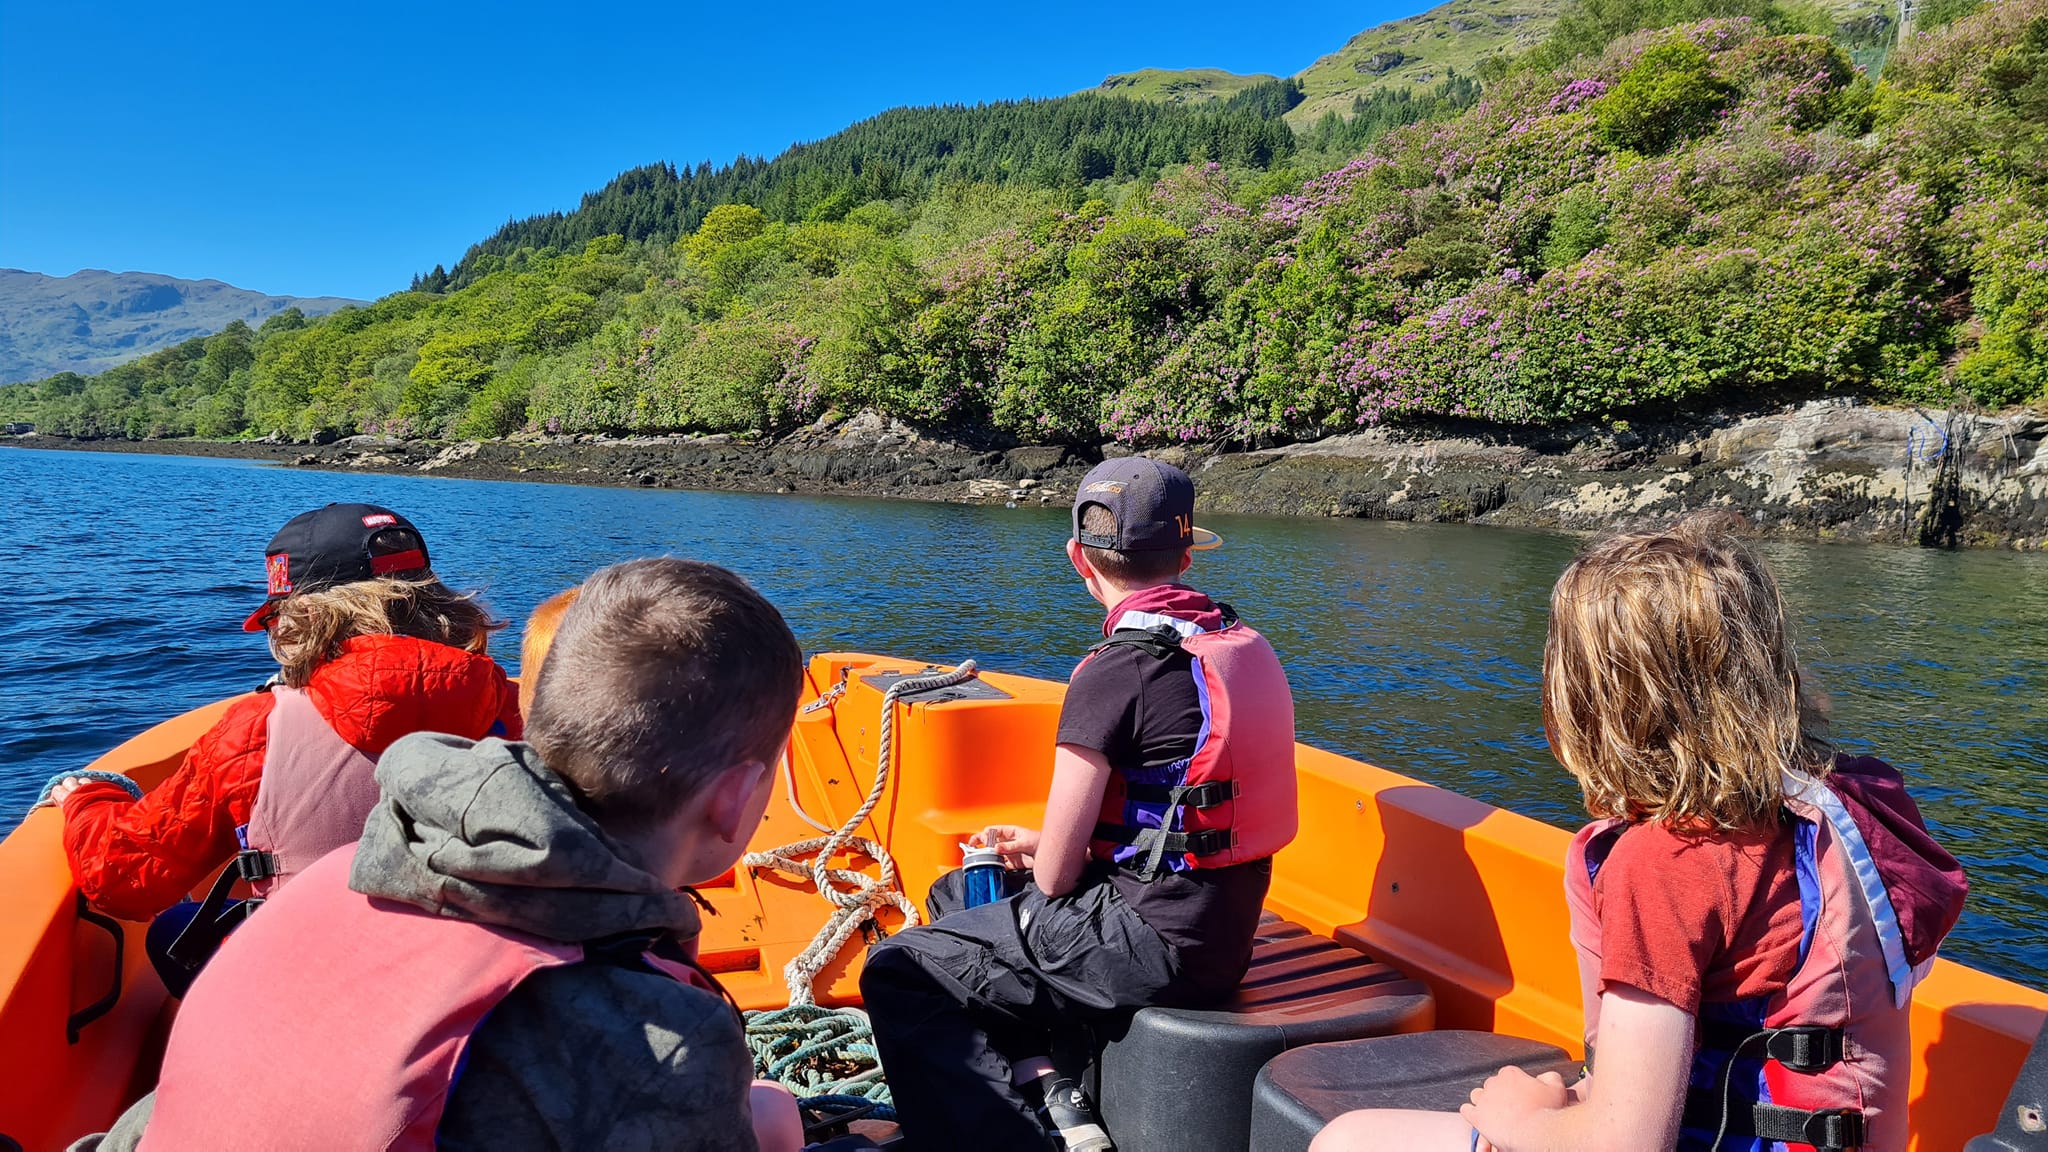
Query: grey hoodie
[(590, 1055)]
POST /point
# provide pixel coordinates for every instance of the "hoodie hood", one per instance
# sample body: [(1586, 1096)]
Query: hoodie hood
[(1926, 884), (1174, 600), (483, 831), (379, 688)]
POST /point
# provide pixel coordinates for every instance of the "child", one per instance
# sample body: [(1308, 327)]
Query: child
[(506, 959), (372, 646), (1751, 908), (1173, 785), (778, 1125)]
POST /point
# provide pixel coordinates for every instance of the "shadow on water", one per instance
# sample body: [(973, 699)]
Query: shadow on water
[(1417, 647)]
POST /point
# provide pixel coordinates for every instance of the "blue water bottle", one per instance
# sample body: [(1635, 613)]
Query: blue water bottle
[(984, 874)]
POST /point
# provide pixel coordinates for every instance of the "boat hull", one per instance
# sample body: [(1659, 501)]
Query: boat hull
[(1465, 896)]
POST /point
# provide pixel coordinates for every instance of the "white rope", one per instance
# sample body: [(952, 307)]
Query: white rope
[(862, 896)]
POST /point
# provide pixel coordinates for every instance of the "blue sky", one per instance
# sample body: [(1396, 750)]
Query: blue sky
[(338, 149)]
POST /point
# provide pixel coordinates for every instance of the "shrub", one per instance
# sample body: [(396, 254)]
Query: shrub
[(1670, 94)]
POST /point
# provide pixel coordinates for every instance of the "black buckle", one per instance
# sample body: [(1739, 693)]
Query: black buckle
[(253, 865), (1211, 842), (1840, 1128), (1210, 795), (1805, 1047)]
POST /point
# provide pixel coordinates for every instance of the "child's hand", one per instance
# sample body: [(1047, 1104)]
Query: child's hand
[(1509, 1097), (65, 788), (1019, 846)]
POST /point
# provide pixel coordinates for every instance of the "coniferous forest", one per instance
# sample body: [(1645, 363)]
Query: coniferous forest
[(1668, 205)]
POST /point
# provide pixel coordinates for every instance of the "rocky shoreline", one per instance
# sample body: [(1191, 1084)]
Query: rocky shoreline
[(1830, 469)]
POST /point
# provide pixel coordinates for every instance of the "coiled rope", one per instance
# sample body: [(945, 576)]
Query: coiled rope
[(818, 1051)]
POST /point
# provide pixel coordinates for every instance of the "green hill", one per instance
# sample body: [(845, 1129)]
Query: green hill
[(1410, 55), (1185, 86), (1720, 211)]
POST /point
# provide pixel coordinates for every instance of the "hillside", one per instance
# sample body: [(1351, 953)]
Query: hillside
[(91, 321), (1407, 55), (1708, 215), (1182, 86)]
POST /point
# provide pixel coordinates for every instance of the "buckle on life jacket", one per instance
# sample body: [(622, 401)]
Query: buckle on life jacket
[(1826, 1130), (1808, 1048), (253, 864), (1205, 843), (1198, 797)]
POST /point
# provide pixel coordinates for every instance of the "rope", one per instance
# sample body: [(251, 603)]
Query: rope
[(857, 897), (820, 1052)]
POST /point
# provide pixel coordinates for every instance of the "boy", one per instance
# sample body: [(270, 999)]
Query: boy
[(1173, 785), (505, 960)]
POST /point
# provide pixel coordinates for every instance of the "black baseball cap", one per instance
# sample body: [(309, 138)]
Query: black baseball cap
[(1153, 502), (338, 544)]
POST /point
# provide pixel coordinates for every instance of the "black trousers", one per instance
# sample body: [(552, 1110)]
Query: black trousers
[(954, 1002)]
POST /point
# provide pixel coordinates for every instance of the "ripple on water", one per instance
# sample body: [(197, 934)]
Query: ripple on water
[(1416, 647)]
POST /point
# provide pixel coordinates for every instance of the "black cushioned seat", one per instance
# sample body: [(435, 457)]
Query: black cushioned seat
[(1303, 1089), (1180, 1079)]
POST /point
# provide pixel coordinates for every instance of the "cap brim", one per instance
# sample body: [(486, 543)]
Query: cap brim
[(259, 620), (1204, 539)]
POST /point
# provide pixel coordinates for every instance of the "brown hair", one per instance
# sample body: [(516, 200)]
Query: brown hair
[(1150, 566), (1671, 686), (309, 629), (663, 673), (540, 636)]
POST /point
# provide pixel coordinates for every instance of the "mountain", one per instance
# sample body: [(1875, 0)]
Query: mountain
[(92, 320), (1183, 86)]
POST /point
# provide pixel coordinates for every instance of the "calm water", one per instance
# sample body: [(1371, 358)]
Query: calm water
[(1417, 647)]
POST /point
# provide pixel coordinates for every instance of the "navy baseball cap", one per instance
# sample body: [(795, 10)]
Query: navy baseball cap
[(338, 544), (1153, 502)]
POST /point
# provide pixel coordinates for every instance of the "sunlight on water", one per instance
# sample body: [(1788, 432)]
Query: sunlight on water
[(1416, 647)]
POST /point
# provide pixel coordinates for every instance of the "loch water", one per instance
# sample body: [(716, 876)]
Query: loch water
[(124, 580)]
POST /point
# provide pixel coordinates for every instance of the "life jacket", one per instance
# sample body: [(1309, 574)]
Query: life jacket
[(318, 784), (339, 1021), (1233, 800), (1822, 1064)]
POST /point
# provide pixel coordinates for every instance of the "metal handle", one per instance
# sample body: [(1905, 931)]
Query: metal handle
[(77, 1021)]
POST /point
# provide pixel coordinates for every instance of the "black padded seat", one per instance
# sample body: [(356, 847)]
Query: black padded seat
[(1303, 1089), (1180, 1079)]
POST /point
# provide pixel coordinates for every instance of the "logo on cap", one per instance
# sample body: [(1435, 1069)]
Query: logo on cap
[(279, 568), (1112, 487), (380, 520)]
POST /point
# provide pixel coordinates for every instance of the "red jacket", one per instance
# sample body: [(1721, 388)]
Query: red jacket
[(135, 858)]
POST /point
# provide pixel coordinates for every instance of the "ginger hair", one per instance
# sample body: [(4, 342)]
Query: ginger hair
[(310, 628), (1671, 682), (540, 636)]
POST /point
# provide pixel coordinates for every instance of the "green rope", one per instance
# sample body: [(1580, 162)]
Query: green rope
[(817, 1051)]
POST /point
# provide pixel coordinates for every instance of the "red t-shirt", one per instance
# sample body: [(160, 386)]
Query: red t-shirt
[(1695, 919)]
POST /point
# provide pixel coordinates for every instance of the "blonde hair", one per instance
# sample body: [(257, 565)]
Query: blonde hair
[(310, 628), (540, 636), (1671, 686)]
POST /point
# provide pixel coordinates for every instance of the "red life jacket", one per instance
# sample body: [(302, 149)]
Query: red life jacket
[(1822, 1064), (1233, 800), (338, 1021)]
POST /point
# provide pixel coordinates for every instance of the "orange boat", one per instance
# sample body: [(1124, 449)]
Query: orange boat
[(1466, 898)]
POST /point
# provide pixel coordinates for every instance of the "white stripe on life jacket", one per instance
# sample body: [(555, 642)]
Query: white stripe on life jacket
[(1799, 786), (1146, 621)]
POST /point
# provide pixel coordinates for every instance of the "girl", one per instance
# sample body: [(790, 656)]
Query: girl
[(371, 646), (1750, 908)]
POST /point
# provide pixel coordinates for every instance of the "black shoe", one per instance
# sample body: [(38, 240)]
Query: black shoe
[(1069, 1112)]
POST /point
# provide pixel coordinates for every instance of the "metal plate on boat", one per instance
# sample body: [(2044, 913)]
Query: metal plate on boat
[(975, 689)]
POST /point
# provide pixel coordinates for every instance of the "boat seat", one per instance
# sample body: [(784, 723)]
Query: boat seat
[(1180, 1079), (1302, 1089)]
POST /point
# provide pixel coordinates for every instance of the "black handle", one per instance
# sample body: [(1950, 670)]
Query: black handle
[(77, 1021)]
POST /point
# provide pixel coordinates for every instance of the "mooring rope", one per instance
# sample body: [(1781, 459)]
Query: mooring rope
[(819, 1051)]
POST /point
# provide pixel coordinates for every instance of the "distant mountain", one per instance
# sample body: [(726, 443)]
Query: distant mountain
[(90, 321)]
